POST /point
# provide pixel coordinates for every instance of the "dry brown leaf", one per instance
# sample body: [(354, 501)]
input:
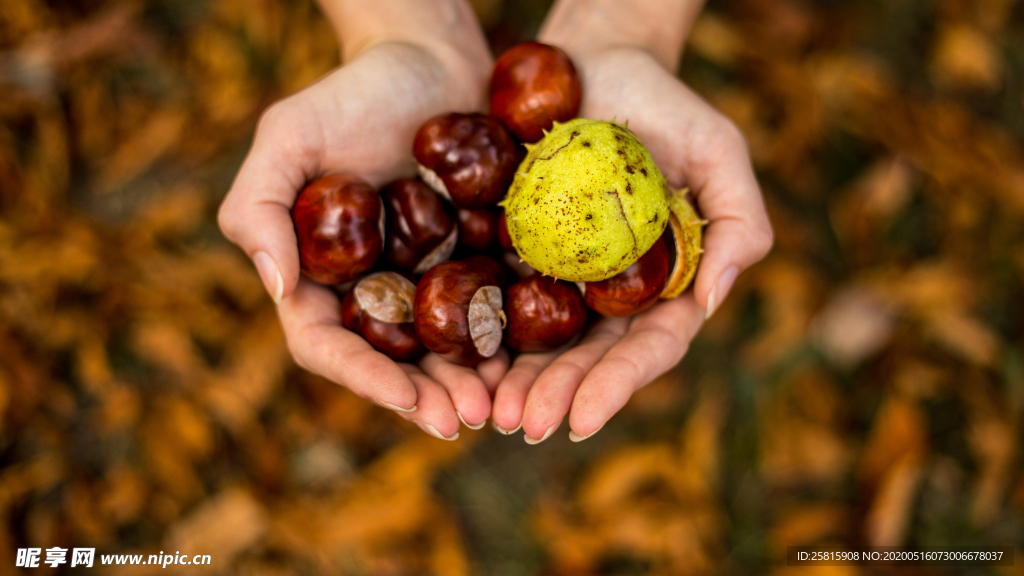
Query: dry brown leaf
[(252, 371), (994, 443), (226, 525), (853, 325), (818, 571), (791, 292), (965, 336), (139, 151), (899, 430), (120, 409), (807, 525), (917, 380), (448, 555), (715, 39), (966, 57), (123, 496), (167, 346), (890, 513), (799, 440), (620, 474)]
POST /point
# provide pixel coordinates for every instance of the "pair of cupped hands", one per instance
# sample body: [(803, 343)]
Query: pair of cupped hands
[(361, 119)]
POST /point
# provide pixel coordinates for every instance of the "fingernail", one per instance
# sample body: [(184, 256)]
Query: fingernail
[(433, 431), (721, 289), (395, 408), (270, 274), (530, 440), (504, 431), (577, 438), (468, 425)]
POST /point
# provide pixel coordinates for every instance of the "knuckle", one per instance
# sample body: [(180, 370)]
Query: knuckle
[(765, 239), (733, 137), (296, 344), (275, 115), (298, 355), (279, 126), (226, 219)]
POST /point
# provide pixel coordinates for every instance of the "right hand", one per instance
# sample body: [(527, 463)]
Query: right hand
[(361, 119)]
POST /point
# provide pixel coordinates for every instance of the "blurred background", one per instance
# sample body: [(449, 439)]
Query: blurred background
[(863, 385)]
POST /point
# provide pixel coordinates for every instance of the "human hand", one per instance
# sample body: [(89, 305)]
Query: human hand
[(405, 63), (696, 147)]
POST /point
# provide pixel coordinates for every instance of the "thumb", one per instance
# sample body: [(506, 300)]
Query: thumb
[(256, 213)]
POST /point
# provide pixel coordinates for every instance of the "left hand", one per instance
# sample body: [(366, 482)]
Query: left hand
[(697, 147)]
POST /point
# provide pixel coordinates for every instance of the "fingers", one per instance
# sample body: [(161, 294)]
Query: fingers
[(510, 396), (697, 146), (739, 233), (493, 370), (255, 214), (318, 343), (549, 398), (434, 412), (656, 341), (469, 396)]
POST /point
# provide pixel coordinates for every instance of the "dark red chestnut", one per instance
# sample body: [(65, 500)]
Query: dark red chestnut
[(339, 224), (543, 313), (492, 267), (534, 85), (634, 289), (478, 229), (503, 236), (458, 312), (468, 158), (380, 309), (419, 231)]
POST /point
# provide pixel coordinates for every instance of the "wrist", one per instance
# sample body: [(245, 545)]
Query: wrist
[(444, 31), (586, 28)]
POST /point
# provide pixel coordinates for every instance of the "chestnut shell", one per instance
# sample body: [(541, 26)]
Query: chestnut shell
[(337, 224), (634, 289), (442, 309), (417, 221), (543, 313), (473, 155), (534, 85)]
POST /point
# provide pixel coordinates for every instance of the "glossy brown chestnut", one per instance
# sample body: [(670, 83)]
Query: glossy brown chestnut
[(491, 266), (468, 158), (339, 222), (543, 313), (534, 85), (419, 230), (478, 229), (634, 289), (379, 308), (458, 312)]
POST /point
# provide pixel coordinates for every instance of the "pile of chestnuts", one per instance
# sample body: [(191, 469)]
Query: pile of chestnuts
[(427, 263)]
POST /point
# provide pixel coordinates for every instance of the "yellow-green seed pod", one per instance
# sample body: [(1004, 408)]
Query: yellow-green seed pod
[(587, 202)]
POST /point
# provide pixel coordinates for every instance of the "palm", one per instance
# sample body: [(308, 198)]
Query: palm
[(695, 147), (359, 119)]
